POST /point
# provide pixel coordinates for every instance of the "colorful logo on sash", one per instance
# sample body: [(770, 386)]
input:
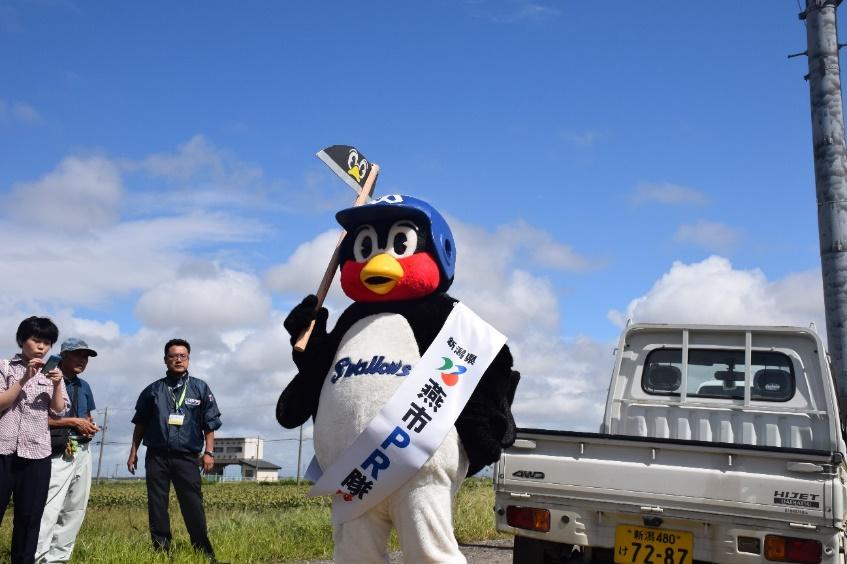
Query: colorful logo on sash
[(451, 378)]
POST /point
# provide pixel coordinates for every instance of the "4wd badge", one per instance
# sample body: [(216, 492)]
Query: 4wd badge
[(529, 474)]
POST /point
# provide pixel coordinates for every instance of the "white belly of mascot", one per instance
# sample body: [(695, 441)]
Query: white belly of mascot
[(373, 359)]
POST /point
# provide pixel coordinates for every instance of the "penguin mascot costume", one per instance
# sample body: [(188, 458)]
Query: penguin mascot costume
[(397, 262)]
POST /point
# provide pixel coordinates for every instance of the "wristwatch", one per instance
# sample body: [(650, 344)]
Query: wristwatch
[(205, 452)]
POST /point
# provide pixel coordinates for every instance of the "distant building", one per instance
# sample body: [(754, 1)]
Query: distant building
[(261, 470), (230, 451), (247, 452)]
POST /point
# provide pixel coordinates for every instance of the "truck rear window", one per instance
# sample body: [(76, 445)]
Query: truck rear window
[(719, 374)]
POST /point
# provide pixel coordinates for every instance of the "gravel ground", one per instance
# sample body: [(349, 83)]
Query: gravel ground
[(482, 552), (488, 552)]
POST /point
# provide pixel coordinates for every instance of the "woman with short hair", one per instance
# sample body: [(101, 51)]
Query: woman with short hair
[(27, 398)]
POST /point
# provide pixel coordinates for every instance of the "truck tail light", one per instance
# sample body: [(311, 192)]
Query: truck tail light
[(528, 518), (790, 549)]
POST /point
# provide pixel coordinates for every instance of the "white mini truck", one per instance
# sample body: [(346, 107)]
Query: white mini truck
[(719, 444)]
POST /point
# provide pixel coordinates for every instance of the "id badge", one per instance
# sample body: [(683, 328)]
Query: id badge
[(176, 419)]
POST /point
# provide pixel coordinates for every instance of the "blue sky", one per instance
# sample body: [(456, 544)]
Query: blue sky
[(597, 162)]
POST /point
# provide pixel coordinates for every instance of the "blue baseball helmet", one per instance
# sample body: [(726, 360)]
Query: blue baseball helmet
[(397, 206)]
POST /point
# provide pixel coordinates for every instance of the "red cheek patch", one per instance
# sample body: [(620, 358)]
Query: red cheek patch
[(420, 278)]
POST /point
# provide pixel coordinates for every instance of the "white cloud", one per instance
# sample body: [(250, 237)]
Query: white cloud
[(192, 157), (223, 300), (88, 254), (563, 383), (522, 239), (25, 113), (201, 174), (712, 291), (304, 269), (512, 11), (87, 329), (800, 299), (715, 237), (246, 381), (19, 112), (584, 139), (536, 11), (512, 302), (90, 268), (667, 193), (73, 247), (82, 193), (494, 272), (149, 263)]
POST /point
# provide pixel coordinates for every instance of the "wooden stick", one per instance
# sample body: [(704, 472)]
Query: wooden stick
[(329, 274)]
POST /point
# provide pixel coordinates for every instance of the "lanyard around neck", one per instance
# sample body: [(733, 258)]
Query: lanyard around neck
[(178, 403)]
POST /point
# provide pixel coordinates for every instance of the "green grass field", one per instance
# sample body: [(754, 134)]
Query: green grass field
[(248, 522)]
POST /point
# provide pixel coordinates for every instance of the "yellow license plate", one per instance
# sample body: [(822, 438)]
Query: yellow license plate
[(644, 545)]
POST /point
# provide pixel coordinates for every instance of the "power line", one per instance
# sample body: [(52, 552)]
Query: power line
[(120, 443), (221, 407)]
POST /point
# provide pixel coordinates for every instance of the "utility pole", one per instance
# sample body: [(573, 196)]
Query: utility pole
[(102, 441), (299, 454), (830, 177), (256, 475)]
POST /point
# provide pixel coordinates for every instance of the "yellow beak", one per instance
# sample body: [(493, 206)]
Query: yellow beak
[(354, 172), (381, 274)]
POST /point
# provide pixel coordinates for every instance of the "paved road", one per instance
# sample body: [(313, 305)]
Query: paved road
[(489, 552), (482, 552)]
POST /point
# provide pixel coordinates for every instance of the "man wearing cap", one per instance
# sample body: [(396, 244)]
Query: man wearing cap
[(70, 468)]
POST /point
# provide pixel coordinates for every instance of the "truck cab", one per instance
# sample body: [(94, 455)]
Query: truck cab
[(748, 386)]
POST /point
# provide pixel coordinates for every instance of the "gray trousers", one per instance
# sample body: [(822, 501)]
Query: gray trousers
[(67, 498)]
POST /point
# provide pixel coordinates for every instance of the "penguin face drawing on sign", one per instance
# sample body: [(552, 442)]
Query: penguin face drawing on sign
[(357, 166), (397, 248)]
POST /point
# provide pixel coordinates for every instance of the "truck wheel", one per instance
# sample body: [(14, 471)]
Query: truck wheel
[(534, 551)]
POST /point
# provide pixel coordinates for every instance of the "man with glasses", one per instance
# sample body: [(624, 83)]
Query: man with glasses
[(176, 416)]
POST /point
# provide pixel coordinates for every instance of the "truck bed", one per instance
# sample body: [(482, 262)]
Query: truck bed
[(593, 482), (683, 477)]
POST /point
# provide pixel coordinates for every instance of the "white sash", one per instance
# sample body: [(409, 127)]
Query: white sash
[(412, 425)]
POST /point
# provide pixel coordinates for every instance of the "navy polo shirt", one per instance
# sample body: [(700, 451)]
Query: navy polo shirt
[(79, 390)]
